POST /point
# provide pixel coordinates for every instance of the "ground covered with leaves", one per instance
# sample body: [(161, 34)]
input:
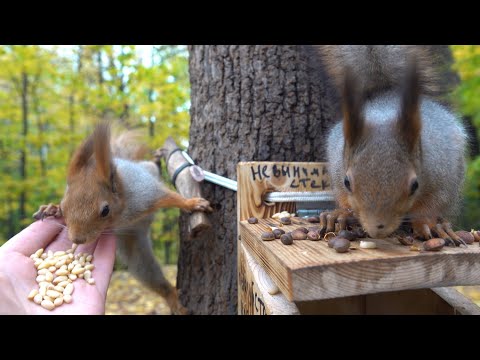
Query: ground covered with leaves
[(472, 292), (127, 296)]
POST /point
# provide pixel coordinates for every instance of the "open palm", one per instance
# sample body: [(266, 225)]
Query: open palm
[(17, 272)]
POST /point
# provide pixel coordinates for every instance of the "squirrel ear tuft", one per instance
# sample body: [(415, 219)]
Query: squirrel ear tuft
[(409, 124), (103, 154), (81, 156), (353, 120)]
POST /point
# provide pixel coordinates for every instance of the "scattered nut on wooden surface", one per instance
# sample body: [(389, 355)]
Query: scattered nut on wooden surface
[(313, 235), (466, 236), (285, 220), (368, 244), (282, 214), (286, 239), (435, 244), (252, 220), (350, 235), (55, 275), (313, 219), (340, 244), (298, 235), (476, 235), (303, 229), (267, 236), (278, 233)]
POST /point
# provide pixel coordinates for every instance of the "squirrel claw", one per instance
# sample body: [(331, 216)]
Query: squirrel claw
[(328, 219), (200, 204), (46, 211), (427, 229)]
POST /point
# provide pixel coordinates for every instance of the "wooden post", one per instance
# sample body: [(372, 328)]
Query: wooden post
[(185, 185)]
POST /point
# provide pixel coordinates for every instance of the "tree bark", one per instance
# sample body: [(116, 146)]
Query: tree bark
[(249, 103)]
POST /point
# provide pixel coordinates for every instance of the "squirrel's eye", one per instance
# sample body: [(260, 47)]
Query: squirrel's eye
[(413, 187), (346, 181), (105, 211)]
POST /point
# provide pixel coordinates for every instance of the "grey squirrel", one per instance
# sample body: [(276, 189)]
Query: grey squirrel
[(397, 154), (109, 188)]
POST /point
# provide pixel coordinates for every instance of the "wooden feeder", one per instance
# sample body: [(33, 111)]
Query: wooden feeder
[(308, 277)]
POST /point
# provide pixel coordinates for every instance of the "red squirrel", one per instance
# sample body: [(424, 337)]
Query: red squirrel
[(109, 188), (397, 154)]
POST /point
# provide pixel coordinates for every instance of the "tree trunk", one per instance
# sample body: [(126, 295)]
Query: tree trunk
[(23, 152), (249, 103)]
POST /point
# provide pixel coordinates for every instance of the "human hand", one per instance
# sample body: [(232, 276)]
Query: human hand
[(17, 272)]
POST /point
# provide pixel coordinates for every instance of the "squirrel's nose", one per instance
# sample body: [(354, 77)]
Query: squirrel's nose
[(380, 226)]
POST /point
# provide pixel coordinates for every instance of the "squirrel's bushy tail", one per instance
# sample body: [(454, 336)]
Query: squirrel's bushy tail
[(379, 68), (128, 145)]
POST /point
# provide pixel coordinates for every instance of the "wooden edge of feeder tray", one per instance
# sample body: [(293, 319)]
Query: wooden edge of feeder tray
[(257, 293)]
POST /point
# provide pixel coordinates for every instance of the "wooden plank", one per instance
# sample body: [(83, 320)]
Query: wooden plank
[(255, 179), (461, 304), (310, 270), (254, 286)]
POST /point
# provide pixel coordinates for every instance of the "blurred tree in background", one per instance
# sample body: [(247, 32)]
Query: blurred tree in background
[(467, 99), (50, 99)]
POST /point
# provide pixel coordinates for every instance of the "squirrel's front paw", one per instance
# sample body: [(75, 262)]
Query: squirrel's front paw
[(428, 228), (48, 210), (199, 204), (344, 217)]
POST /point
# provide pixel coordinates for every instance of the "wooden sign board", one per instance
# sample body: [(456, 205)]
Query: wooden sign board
[(256, 179), (253, 288), (310, 270)]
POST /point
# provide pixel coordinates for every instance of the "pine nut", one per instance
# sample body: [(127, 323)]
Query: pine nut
[(53, 294), (87, 275), (78, 270), (89, 267), (58, 301), (37, 262), (68, 289), (43, 284), (59, 264), (61, 272), (59, 279), (63, 284), (47, 304), (59, 289), (32, 294), (48, 276), (38, 299), (56, 272), (44, 264)]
